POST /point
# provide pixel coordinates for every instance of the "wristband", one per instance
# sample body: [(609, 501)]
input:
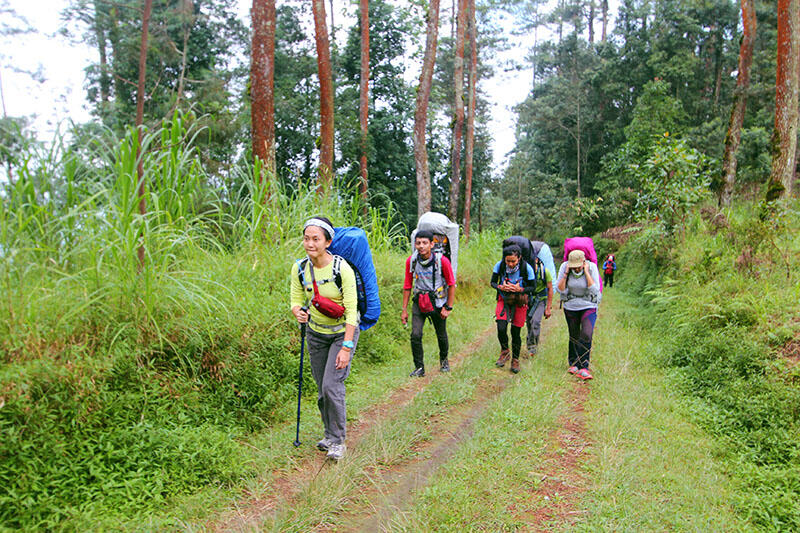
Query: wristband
[(448, 307), (348, 344)]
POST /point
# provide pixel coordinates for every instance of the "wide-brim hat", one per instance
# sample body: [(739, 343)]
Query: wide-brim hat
[(576, 259)]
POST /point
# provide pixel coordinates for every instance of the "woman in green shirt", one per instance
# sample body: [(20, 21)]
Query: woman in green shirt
[(331, 339)]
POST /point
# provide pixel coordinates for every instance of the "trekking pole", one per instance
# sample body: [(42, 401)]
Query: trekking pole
[(300, 379)]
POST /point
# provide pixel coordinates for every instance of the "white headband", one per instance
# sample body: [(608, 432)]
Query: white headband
[(320, 224)]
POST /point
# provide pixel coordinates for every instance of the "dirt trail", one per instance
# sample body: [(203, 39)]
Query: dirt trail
[(282, 485), (393, 489), (562, 480)]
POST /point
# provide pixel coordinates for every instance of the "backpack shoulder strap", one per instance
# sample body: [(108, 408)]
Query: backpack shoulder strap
[(523, 271), (301, 270), (337, 271)]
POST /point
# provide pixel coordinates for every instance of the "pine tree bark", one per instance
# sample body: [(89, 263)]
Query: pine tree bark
[(787, 94), (591, 21), (325, 97), (363, 106), (734, 136), (148, 7), (458, 124), (100, 35), (421, 111), (262, 84), (605, 19), (473, 95)]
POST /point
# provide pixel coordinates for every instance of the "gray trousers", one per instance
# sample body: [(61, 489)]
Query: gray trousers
[(534, 323), (322, 352)]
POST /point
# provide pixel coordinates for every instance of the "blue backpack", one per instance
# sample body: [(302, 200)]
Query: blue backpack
[(543, 252), (352, 245)]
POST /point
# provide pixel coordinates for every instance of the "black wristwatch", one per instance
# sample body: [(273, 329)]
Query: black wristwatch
[(448, 307)]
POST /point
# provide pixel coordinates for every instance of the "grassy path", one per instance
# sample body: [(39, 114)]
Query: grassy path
[(482, 449)]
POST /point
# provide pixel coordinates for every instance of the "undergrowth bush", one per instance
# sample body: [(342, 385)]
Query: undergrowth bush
[(125, 385), (724, 295)]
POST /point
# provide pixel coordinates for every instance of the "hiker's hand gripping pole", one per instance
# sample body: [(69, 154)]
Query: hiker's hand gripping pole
[(300, 376)]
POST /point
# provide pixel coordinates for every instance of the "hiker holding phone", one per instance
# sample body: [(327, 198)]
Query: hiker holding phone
[(514, 280), (332, 332), (430, 286), (580, 293)]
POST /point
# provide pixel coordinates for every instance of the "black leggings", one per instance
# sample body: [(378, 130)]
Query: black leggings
[(516, 337), (581, 327)]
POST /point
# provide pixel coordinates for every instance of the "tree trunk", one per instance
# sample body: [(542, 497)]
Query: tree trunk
[(421, 111), (325, 97), (458, 125), (187, 21), (148, 7), (473, 94), (578, 142), (787, 79), (262, 93), (363, 109), (591, 21), (100, 35), (734, 135), (116, 53), (605, 19)]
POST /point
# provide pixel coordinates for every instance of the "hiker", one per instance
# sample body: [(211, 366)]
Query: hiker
[(609, 266), (540, 305), (580, 293), (427, 275), (514, 281), (332, 330)]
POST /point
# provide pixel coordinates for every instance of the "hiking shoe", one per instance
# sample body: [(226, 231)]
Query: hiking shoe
[(505, 355), (573, 370), (584, 374), (515, 365), (324, 444), (444, 366), (336, 451), (418, 373)]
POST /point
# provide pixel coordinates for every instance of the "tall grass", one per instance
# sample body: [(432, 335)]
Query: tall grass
[(123, 384)]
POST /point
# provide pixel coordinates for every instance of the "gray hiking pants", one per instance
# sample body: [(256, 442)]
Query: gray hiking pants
[(322, 352), (534, 323)]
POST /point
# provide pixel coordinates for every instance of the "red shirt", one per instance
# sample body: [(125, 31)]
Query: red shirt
[(447, 274)]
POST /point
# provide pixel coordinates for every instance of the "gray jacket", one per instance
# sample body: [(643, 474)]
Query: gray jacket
[(576, 296)]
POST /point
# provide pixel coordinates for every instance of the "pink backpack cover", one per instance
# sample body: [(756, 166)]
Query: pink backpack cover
[(585, 244)]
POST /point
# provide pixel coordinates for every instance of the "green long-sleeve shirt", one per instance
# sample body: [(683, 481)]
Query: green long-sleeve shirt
[(347, 297)]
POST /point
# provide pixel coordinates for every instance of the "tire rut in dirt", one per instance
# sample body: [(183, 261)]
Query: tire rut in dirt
[(414, 475), (285, 484)]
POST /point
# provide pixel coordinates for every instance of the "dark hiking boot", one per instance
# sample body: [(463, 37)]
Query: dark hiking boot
[(418, 373), (515, 365), (505, 355), (444, 365)]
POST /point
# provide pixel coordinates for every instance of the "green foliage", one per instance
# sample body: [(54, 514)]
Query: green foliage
[(726, 293), (673, 179), (125, 385)]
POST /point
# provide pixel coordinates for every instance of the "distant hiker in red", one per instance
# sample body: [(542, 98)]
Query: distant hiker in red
[(431, 286), (514, 280), (609, 266), (580, 294)]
